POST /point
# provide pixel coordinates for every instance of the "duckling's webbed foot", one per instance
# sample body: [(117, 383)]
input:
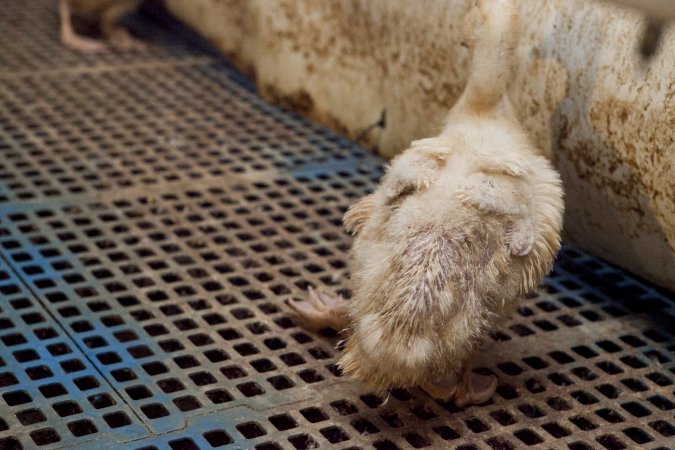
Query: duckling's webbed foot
[(471, 389), (321, 311), (82, 44), (475, 389)]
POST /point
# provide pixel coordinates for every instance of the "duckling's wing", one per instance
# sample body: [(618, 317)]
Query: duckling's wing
[(416, 168), (506, 196)]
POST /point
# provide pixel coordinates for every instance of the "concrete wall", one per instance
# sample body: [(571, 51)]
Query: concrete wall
[(607, 122)]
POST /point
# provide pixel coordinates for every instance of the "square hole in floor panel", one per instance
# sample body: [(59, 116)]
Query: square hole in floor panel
[(183, 444), (364, 427), (154, 411), (187, 403), (100, 401), (528, 437), (583, 423), (29, 417), (610, 442), (123, 375), (281, 382), (155, 368), (334, 434), (16, 398), (263, 365), (250, 389), (67, 408), (314, 415), (117, 419), (638, 435), (52, 390), (218, 396), (216, 355), (72, 365), (251, 430), (344, 407), (556, 430), (531, 411), (661, 402), (636, 409), (45, 436), (417, 440), (7, 379), (170, 385), (268, 446), (186, 362), (10, 443), (25, 355), (664, 428), (310, 376), (217, 438), (303, 442), (202, 378), (504, 418), (386, 444), (138, 392), (476, 425), (500, 444), (82, 427), (86, 383), (283, 422)]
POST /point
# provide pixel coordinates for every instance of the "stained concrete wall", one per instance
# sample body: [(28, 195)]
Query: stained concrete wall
[(606, 121)]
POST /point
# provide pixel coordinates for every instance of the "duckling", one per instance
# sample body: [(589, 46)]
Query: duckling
[(460, 227), (107, 13)]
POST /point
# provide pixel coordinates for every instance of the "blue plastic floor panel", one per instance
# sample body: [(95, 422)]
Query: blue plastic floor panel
[(50, 390), (155, 214)]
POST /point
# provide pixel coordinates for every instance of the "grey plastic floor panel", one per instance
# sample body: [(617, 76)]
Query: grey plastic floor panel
[(155, 213)]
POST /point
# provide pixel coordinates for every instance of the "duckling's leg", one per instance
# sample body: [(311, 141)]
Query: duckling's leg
[(70, 38), (118, 36), (320, 311)]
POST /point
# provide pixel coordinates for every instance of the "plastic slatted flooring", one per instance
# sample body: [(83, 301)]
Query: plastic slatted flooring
[(154, 215)]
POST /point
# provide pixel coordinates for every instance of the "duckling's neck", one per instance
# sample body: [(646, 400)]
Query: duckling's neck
[(493, 58)]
